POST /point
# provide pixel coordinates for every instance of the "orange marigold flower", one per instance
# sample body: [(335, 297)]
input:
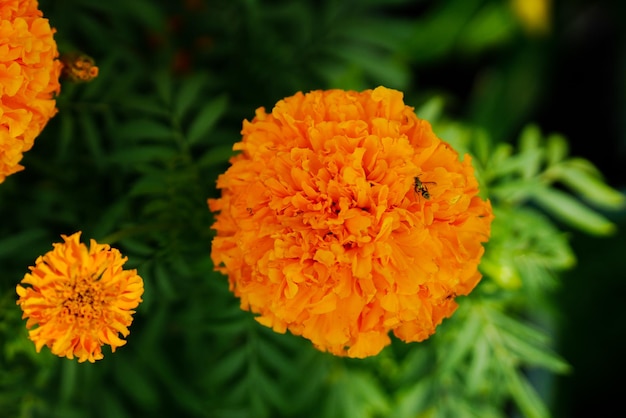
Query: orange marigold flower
[(344, 217), (29, 79), (79, 68), (79, 298)]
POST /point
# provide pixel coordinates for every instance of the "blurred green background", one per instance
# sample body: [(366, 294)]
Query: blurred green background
[(176, 80)]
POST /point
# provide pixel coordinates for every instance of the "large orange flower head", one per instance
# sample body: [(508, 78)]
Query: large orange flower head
[(79, 298), (344, 217), (29, 79)]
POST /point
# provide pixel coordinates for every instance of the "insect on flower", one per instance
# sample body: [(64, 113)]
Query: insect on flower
[(420, 187)]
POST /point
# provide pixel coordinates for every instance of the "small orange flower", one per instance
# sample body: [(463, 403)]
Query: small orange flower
[(79, 68), (344, 217), (79, 298), (29, 80)]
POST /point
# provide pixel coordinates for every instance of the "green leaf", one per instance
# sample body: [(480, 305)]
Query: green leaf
[(148, 13), (145, 105), (216, 155), (588, 186), (152, 184), (432, 109), (15, 243), (136, 247), (110, 217), (206, 119), (188, 93), (146, 129), (527, 343), (66, 133), (462, 343), (142, 154), (228, 367), (136, 383), (112, 405), (571, 211), (529, 403), (414, 399), (91, 134), (163, 87), (271, 392), (492, 25), (482, 147), (377, 32), (557, 149), (515, 191), (378, 66), (533, 354), (163, 282), (477, 377)]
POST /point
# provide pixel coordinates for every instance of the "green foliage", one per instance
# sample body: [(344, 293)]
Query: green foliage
[(131, 158)]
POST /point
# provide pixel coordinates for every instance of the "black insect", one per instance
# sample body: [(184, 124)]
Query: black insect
[(420, 187)]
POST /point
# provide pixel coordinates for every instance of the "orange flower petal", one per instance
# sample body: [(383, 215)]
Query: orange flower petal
[(323, 231), (29, 79), (79, 298)]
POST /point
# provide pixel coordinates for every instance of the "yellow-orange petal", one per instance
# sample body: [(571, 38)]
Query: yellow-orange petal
[(79, 299)]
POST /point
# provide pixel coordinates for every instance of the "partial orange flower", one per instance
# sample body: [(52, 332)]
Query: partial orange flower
[(29, 80), (79, 68), (79, 298), (344, 217)]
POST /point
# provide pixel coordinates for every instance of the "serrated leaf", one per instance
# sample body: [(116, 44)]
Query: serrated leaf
[(492, 25), (527, 163), (66, 134), (110, 217), (571, 211), (164, 88), (143, 154), (557, 149), (482, 147), (432, 109), (91, 134), (525, 332), (589, 187), (16, 243), (533, 354), (112, 405), (148, 185), (267, 387), (462, 343), (206, 119), (133, 246), (146, 129), (162, 279), (529, 139), (377, 32), (147, 12), (271, 356), (188, 93), (136, 384), (497, 163), (417, 398), (229, 366), (382, 68), (515, 190), (478, 373), (529, 403), (145, 105)]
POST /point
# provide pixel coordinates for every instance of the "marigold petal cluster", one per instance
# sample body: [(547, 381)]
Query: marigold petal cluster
[(79, 299), (29, 80), (344, 218)]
